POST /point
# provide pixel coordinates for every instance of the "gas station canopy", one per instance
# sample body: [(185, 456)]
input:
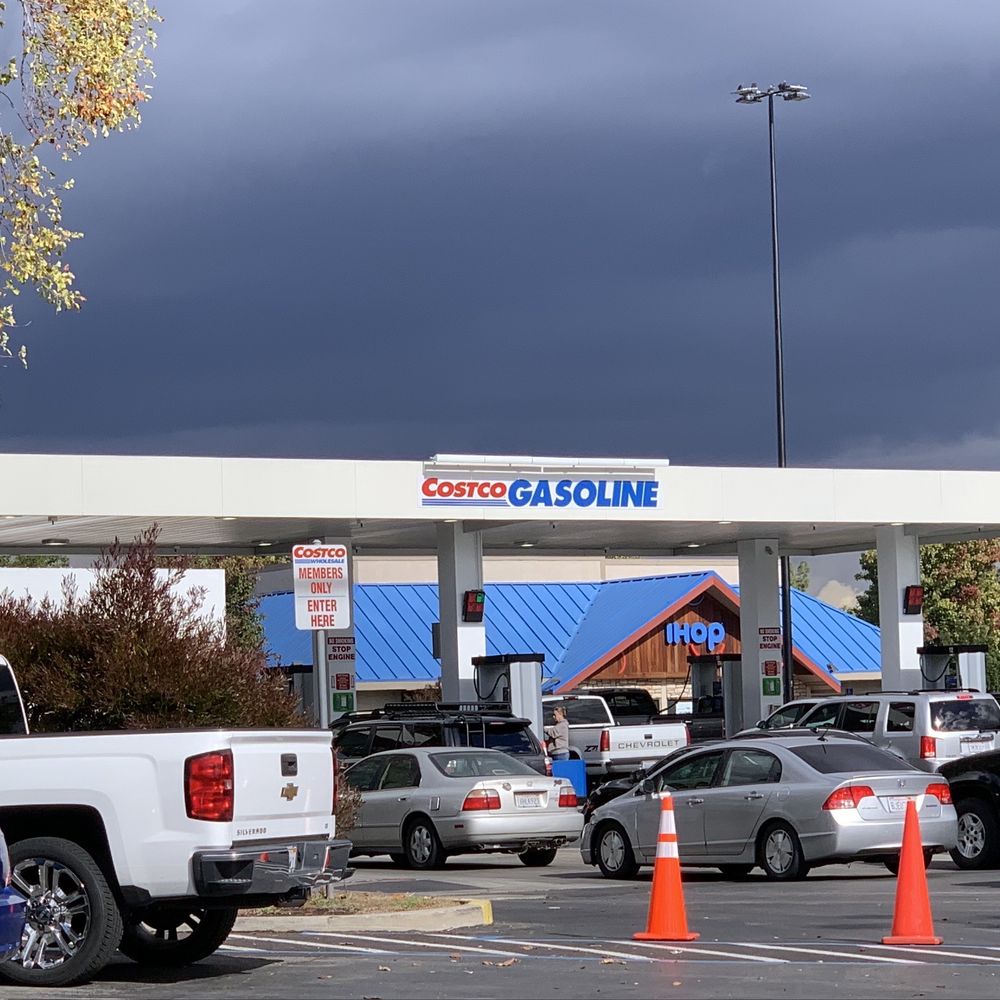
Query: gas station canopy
[(550, 506)]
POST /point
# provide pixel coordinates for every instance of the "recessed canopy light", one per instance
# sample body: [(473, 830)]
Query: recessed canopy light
[(228, 517), (725, 522), (55, 541), (694, 545), (450, 520), (896, 524), (526, 545), (262, 543)]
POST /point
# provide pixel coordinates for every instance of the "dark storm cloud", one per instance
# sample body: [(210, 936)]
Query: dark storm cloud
[(351, 229)]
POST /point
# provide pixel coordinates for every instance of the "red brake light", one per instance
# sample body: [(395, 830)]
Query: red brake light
[(567, 797), (941, 791), (848, 797), (208, 786), (481, 798), (548, 767), (964, 697), (605, 746), (928, 747)]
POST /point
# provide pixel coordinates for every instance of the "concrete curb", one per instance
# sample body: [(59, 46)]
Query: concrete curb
[(468, 913)]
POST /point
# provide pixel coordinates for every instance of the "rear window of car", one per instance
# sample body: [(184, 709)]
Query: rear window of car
[(961, 715), (478, 765), (510, 737), (853, 758), (579, 711)]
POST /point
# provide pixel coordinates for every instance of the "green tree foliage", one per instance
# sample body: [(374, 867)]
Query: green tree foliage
[(33, 562), (961, 595), (800, 576), (131, 654), (81, 75)]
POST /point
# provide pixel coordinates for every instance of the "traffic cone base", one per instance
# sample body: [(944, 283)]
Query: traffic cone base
[(911, 920), (667, 920)]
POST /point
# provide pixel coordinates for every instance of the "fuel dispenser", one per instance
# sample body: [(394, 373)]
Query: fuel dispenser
[(514, 679), (716, 695), (945, 668)]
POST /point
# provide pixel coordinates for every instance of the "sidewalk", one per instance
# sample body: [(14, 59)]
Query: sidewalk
[(468, 913)]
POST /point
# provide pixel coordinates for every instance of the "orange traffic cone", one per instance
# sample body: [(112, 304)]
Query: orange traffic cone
[(667, 920), (912, 922)]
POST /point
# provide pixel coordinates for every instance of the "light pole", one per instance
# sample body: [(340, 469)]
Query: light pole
[(753, 94)]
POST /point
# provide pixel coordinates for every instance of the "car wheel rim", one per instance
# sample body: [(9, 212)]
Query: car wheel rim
[(778, 852), (57, 917), (420, 844), (971, 835), (612, 850)]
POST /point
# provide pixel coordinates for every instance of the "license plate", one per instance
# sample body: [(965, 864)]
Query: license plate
[(976, 746), (896, 803), (526, 800)]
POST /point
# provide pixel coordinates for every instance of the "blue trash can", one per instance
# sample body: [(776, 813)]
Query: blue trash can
[(576, 771)]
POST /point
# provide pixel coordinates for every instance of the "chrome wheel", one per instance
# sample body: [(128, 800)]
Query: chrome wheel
[(612, 850), (971, 836), (779, 851), (58, 913), (421, 844)]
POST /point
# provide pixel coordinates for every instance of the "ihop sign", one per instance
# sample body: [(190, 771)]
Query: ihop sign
[(710, 634)]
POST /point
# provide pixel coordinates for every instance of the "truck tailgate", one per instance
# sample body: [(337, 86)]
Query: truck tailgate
[(283, 785), (632, 746)]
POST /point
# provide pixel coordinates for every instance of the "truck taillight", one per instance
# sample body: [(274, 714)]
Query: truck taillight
[(481, 798), (605, 746), (208, 786), (941, 791), (567, 797), (548, 767), (928, 747), (848, 797)]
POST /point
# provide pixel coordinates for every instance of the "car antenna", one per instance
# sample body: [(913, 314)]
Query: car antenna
[(821, 733)]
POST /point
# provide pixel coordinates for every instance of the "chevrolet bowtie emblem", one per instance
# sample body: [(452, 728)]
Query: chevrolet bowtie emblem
[(289, 791)]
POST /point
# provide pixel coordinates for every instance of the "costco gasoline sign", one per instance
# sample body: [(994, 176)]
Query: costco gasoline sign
[(573, 493), (322, 587)]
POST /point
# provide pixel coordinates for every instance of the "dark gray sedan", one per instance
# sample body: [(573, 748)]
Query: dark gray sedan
[(783, 803)]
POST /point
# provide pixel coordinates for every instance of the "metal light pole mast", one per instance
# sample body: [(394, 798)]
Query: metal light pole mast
[(754, 95)]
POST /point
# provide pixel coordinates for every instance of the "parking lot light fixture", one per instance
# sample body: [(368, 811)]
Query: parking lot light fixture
[(752, 94)]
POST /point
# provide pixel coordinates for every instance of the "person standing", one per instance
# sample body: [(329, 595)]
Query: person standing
[(557, 735)]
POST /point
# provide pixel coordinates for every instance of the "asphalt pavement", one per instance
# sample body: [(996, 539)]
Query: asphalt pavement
[(564, 931)]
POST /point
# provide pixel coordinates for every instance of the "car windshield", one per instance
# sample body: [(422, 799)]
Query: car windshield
[(961, 715), (579, 711), (478, 765), (509, 737), (787, 716), (828, 757)]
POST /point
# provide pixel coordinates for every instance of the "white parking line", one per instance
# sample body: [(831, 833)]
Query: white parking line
[(935, 951), (309, 944), (697, 950), (820, 951), (233, 947), (420, 944), (603, 952)]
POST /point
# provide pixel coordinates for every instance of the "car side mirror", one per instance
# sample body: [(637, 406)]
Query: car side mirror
[(760, 724), (647, 786), (637, 774)]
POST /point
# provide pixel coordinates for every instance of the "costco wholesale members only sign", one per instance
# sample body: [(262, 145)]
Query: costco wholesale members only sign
[(322, 586)]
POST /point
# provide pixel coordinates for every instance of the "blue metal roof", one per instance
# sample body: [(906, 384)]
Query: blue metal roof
[(573, 624)]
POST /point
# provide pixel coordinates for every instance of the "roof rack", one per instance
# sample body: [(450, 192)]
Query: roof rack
[(408, 709), (944, 690)]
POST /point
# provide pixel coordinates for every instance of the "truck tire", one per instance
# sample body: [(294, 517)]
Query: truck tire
[(174, 935), (978, 844), (63, 885)]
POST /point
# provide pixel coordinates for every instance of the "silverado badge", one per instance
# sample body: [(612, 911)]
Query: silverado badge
[(289, 791)]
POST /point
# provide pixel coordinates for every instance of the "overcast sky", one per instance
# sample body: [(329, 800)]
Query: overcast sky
[(355, 229)]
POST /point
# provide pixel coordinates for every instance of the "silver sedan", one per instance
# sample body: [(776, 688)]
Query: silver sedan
[(421, 805), (783, 803)]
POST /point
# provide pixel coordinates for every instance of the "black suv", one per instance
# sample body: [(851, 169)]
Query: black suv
[(441, 724)]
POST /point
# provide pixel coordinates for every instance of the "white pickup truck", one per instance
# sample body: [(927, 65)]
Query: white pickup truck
[(609, 750), (151, 842)]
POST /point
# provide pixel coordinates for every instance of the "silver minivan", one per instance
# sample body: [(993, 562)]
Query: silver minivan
[(927, 728)]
